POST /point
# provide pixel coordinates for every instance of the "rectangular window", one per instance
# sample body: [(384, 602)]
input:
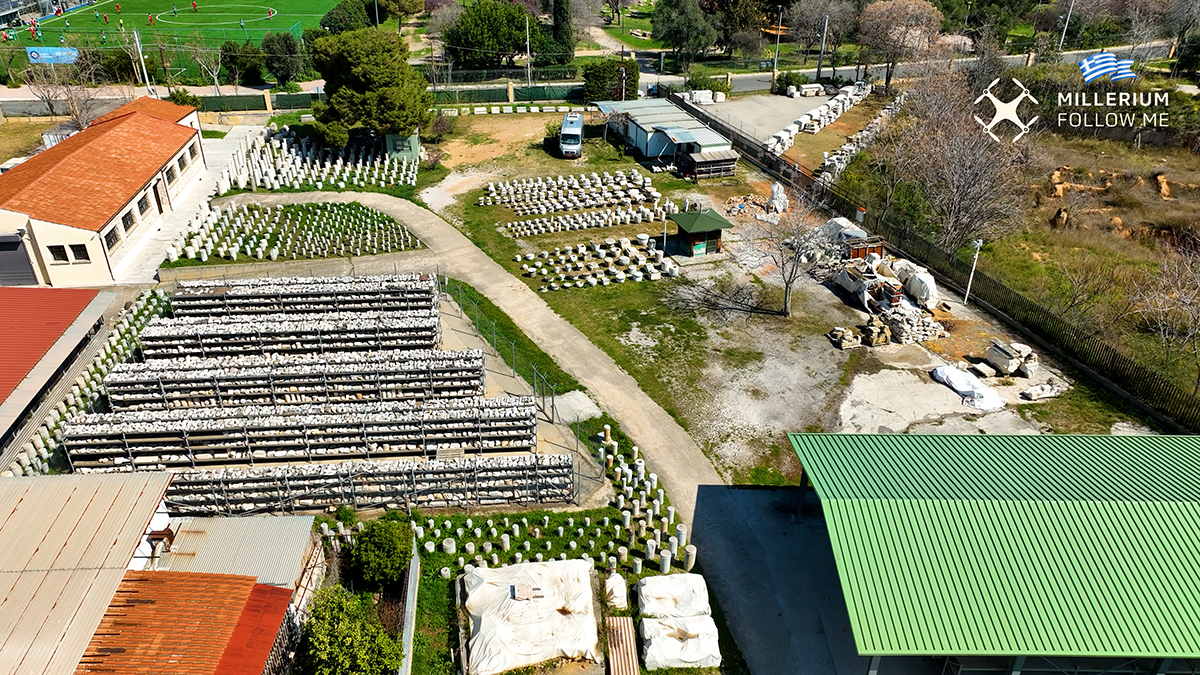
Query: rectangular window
[(182, 164), (111, 238), (79, 251), (193, 151), (58, 253), (170, 175), (144, 204), (127, 220)]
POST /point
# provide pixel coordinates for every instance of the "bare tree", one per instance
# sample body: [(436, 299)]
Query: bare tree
[(1169, 302), (895, 30), (69, 89), (795, 243), (893, 157), (843, 22), (723, 298), (585, 14), (615, 6), (1089, 291), (1181, 17), (805, 18), (209, 60)]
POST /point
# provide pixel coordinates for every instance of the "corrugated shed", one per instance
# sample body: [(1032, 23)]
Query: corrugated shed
[(64, 545), (31, 321), (255, 632), (168, 622), (271, 549), (1004, 545)]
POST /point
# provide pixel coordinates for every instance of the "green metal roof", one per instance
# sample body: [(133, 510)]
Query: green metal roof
[(695, 222), (1014, 545)]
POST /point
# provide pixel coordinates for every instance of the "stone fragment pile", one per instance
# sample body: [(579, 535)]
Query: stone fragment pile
[(911, 325), (259, 392), (393, 484), (539, 196), (586, 220), (87, 392), (277, 379), (277, 159), (835, 162), (297, 231), (592, 264), (813, 121), (226, 297)]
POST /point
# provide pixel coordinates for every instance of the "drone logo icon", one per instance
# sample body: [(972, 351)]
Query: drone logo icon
[(1006, 111)]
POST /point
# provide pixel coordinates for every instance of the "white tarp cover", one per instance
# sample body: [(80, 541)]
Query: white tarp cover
[(842, 229), (557, 620), (616, 592), (673, 595), (923, 289), (975, 393), (681, 642), (905, 269)]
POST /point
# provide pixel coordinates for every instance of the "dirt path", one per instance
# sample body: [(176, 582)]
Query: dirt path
[(446, 192), (667, 448)]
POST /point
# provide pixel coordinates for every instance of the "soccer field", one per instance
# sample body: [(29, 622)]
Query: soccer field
[(214, 20)]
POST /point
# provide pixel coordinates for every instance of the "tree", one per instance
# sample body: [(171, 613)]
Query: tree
[(898, 29), (563, 33), (344, 16), (602, 80), (344, 636), (487, 33), (442, 18), (682, 26), (73, 86), (794, 244), (747, 43), (843, 23), (615, 7), (805, 18), (585, 14), (243, 62), (208, 59), (282, 56), (736, 17), (369, 82), (1169, 303), (1181, 18), (382, 551)]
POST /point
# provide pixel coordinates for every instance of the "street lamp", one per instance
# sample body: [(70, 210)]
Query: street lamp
[(1066, 23), (978, 244), (778, 32)]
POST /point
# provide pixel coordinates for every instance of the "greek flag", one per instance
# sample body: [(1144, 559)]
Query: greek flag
[(1098, 65), (1124, 70)]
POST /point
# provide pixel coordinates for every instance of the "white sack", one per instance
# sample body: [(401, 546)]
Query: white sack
[(616, 592), (673, 595), (923, 289), (975, 393), (555, 618), (681, 642)]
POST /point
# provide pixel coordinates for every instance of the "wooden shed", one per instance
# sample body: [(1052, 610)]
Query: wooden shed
[(700, 231)]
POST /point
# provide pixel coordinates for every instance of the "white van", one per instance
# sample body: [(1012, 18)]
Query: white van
[(570, 139)]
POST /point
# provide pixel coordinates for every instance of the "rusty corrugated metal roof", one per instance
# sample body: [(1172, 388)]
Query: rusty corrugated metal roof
[(256, 630), (31, 321), (65, 542), (184, 623)]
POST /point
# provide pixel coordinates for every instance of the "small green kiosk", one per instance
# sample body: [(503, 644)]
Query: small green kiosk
[(700, 231)]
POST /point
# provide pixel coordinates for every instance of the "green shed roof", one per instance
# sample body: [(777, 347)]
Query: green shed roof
[(695, 222), (1014, 545)]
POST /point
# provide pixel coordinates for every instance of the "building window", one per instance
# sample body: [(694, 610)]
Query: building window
[(111, 238), (182, 164), (193, 151), (127, 220), (58, 253), (144, 204), (170, 175), (80, 252)]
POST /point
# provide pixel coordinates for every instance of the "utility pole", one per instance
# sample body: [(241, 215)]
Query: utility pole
[(622, 81), (1066, 23), (137, 41), (377, 15), (821, 56), (978, 244), (778, 32), (529, 60)]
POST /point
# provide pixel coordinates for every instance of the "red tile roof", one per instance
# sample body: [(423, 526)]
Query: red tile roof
[(85, 180), (31, 321), (255, 633), (186, 624), (163, 110)]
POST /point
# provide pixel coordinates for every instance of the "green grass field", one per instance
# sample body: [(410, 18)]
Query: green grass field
[(214, 20)]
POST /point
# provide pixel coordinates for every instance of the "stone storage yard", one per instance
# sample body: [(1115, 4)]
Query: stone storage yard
[(303, 449)]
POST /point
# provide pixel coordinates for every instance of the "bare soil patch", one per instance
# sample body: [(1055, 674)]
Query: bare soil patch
[(479, 138)]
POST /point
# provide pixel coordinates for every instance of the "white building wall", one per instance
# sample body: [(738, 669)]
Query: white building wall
[(74, 271)]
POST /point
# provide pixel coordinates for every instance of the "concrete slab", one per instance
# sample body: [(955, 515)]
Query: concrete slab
[(761, 116)]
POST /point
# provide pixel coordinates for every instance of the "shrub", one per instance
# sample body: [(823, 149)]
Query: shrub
[(382, 551), (183, 97), (789, 79), (602, 80), (345, 637), (702, 79), (345, 16), (553, 128), (438, 127), (287, 88)]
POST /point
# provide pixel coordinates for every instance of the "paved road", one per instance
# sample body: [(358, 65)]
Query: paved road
[(668, 449)]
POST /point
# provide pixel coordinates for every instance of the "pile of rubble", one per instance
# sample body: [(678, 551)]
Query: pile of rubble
[(813, 121), (1008, 359), (895, 292), (750, 206), (835, 162), (909, 326)]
